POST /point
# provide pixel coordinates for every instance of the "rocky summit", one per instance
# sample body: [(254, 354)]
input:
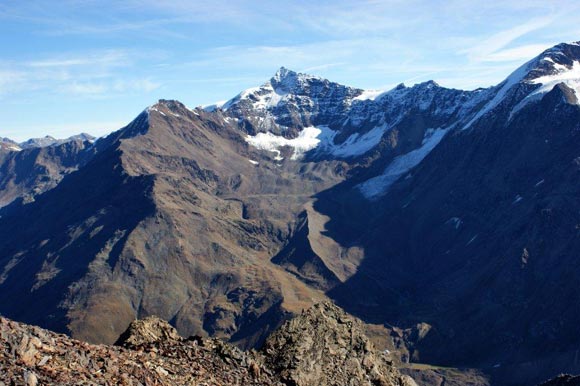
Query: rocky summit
[(329, 349), (325, 346), (446, 220)]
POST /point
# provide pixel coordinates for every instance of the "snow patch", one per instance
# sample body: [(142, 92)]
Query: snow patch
[(321, 138), (569, 76), (274, 99), (369, 95), (262, 98), (306, 140), (266, 97), (378, 186), (156, 110), (354, 145), (213, 107), (514, 78), (193, 110)]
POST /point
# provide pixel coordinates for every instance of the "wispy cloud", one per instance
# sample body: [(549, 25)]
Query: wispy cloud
[(10, 79), (84, 88), (99, 73), (58, 63), (518, 54), (323, 55), (322, 67), (109, 88), (490, 49), (104, 58)]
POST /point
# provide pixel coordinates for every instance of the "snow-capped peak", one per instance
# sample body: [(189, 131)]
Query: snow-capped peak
[(283, 86), (428, 84), (286, 81), (570, 75), (8, 144), (559, 64), (282, 73)]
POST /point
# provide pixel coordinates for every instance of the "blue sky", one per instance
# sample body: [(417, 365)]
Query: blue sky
[(69, 66)]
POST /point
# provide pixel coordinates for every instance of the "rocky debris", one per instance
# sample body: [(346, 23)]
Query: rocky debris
[(147, 331), (32, 356), (563, 380), (325, 346)]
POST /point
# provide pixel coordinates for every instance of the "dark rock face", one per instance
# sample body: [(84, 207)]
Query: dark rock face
[(461, 233), (290, 102)]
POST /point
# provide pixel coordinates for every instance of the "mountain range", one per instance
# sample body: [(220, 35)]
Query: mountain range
[(7, 144), (449, 218)]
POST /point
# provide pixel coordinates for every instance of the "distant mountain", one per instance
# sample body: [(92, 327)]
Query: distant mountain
[(449, 217), (51, 141), (6, 144), (27, 171)]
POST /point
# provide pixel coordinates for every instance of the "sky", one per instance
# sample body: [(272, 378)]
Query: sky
[(72, 66)]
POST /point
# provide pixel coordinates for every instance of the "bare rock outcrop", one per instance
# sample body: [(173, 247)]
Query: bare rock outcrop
[(33, 356), (147, 331), (325, 346)]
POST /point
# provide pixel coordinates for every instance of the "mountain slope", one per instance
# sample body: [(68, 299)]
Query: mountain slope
[(27, 173), (170, 217), (480, 238)]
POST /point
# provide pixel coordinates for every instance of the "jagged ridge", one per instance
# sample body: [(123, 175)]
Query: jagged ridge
[(152, 352)]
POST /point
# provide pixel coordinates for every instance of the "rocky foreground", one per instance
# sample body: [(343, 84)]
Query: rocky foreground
[(322, 346)]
